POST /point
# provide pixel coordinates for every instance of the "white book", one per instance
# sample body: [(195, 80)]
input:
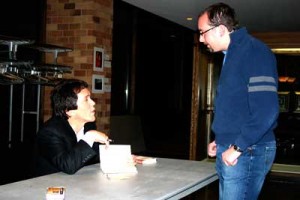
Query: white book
[(116, 159)]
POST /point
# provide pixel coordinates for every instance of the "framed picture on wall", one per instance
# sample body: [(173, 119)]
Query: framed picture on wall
[(98, 59), (284, 101), (297, 102), (97, 84)]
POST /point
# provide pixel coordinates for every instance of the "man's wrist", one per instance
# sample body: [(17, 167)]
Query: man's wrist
[(238, 149), (89, 139)]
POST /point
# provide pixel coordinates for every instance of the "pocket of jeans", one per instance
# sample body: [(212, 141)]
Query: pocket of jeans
[(270, 153)]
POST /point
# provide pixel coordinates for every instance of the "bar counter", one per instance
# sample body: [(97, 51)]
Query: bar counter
[(167, 179)]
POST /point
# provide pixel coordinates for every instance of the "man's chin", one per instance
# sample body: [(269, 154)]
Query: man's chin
[(92, 119), (210, 50)]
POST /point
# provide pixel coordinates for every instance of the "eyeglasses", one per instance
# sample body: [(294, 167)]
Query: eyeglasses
[(203, 32)]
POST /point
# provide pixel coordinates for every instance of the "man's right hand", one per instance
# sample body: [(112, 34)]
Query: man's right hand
[(97, 136), (212, 149)]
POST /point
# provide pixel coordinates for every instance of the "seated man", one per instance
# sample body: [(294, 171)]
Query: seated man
[(68, 140)]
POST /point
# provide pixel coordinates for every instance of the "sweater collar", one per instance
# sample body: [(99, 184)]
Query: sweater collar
[(238, 35)]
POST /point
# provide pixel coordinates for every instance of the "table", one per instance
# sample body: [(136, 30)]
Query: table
[(167, 179)]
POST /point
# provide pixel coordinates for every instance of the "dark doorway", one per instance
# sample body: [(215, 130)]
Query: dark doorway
[(152, 77)]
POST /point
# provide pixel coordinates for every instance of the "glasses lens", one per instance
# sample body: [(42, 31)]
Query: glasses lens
[(203, 32)]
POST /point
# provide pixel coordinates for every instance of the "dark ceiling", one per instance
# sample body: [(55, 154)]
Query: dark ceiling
[(256, 15)]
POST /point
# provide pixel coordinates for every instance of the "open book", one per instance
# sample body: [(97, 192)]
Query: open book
[(116, 159)]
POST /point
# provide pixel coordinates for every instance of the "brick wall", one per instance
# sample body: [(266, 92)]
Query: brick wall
[(82, 25)]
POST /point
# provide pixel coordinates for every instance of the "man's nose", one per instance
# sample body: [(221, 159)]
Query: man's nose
[(201, 39)]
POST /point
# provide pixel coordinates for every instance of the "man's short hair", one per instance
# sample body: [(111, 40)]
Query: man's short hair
[(221, 14), (64, 96)]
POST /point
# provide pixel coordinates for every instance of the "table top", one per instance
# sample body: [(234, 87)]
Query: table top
[(167, 179)]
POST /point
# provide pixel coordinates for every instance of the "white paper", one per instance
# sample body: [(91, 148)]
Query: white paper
[(116, 159)]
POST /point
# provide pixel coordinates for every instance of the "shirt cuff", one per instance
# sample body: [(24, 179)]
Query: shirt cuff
[(89, 139)]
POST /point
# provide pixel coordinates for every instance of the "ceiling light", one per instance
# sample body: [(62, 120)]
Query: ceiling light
[(288, 79)]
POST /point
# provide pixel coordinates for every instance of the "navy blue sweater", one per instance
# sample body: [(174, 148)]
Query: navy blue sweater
[(246, 103)]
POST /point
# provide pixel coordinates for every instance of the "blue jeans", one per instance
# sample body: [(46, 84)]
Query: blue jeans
[(244, 180)]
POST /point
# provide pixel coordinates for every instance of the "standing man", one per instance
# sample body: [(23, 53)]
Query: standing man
[(246, 105), (68, 141)]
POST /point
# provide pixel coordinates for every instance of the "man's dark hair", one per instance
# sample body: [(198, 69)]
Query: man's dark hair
[(64, 96), (221, 14)]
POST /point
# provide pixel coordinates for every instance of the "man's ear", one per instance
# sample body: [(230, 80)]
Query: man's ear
[(222, 30), (70, 113)]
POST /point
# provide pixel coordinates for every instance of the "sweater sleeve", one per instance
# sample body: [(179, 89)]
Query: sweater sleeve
[(262, 100)]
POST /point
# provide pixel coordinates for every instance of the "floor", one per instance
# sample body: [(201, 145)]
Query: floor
[(283, 183), (278, 186)]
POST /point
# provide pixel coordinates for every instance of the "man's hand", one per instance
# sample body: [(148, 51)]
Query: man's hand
[(212, 149), (230, 156), (98, 136)]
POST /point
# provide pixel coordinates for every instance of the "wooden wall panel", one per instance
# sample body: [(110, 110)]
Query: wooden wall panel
[(280, 39)]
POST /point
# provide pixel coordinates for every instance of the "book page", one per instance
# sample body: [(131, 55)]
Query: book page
[(116, 159)]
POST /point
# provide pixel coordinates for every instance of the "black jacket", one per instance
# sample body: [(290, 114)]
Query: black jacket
[(58, 149)]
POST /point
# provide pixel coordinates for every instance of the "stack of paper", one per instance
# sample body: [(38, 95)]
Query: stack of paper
[(116, 159)]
